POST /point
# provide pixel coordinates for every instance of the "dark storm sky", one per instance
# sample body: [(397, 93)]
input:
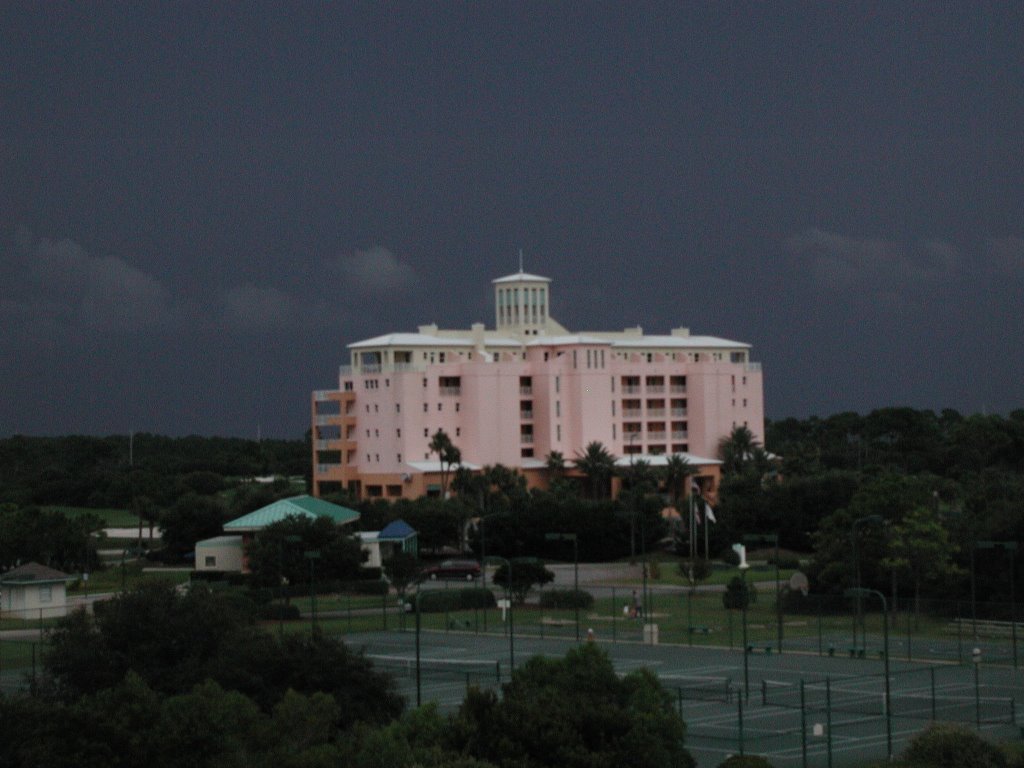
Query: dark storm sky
[(201, 204)]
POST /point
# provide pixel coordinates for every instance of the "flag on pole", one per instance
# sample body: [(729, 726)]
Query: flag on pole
[(710, 513)]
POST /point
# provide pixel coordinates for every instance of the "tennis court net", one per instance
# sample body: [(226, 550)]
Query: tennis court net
[(469, 670), (819, 697)]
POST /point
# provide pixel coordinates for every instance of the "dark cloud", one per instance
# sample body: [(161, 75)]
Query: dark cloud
[(375, 270)]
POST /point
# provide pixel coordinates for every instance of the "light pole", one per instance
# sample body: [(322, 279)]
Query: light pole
[(1011, 547), (746, 650), (511, 621), (858, 593), (575, 570), (483, 556), (771, 538), (857, 618), (312, 555), (419, 690), (291, 539)]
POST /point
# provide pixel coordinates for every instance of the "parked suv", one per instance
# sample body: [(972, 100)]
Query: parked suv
[(453, 569)]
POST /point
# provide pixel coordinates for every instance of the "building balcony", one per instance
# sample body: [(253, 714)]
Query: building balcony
[(678, 389), (526, 415), (655, 413), (326, 445), (631, 389), (653, 437), (526, 390), (655, 389), (680, 435), (323, 394), (329, 418), (526, 439), (631, 413), (451, 391), (752, 367), (371, 368), (324, 469), (679, 412)]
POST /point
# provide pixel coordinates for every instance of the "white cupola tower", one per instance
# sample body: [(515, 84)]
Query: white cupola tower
[(521, 304)]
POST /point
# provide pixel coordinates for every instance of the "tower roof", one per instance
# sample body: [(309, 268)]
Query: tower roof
[(521, 277)]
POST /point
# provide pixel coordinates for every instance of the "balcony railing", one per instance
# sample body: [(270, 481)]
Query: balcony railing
[(323, 469), (655, 412), (323, 445), (631, 389), (680, 435), (752, 367), (655, 389), (451, 391), (526, 415), (678, 389), (679, 412), (526, 439), (526, 390), (631, 413), (323, 394), (328, 418), (655, 436)]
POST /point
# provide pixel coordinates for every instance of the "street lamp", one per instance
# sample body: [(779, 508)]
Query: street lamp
[(858, 593), (511, 622), (291, 539), (1011, 547), (483, 555), (771, 538), (857, 617), (744, 565), (312, 555), (575, 570)]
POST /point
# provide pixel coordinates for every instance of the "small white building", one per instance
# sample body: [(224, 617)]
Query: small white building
[(396, 536), (221, 553), (34, 591)]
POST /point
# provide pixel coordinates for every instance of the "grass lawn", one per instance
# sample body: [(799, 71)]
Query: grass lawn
[(112, 518)]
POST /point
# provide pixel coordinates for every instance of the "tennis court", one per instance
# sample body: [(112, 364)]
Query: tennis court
[(841, 708)]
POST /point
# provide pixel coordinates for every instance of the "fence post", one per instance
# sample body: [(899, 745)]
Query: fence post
[(818, 601), (931, 670), (739, 704), (803, 725), (689, 616), (828, 717), (615, 615), (959, 635)]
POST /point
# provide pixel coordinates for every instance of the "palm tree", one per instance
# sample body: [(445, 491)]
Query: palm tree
[(448, 455), (677, 469), (555, 464), (737, 449), (598, 464)]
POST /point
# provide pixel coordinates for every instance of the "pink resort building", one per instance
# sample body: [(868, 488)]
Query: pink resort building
[(528, 387)]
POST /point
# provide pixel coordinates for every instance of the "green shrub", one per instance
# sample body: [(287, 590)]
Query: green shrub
[(701, 569), (447, 600), (744, 761), (566, 598), (952, 746), (279, 612), (733, 597), (787, 559), (379, 587)]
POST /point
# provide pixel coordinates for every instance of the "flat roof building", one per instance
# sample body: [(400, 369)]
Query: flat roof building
[(513, 394)]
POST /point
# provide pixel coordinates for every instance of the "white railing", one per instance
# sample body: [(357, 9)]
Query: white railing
[(631, 413), (526, 415), (323, 469), (679, 412), (323, 394), (753, 367), (655, 389), (526, 390), (322, 445), (526, 439), (678, 389), (451, 391), (655, 412), (683, 435), (344, 370), (631, 389), (329, 418), (656, 435)]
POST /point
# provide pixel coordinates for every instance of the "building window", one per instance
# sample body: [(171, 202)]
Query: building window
[(398, 407), (424, 380), (426, 431), (377, 457), (558, 432), (558, 409), (376, 408), (210, 561), (456, 407), (398, 433), (399, 458), (45, 593), (425, 407), (376, 433), (458, 431), (439, 406), (558, 384), (526, 453)]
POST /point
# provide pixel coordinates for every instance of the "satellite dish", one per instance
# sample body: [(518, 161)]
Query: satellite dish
[(798, 581)]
